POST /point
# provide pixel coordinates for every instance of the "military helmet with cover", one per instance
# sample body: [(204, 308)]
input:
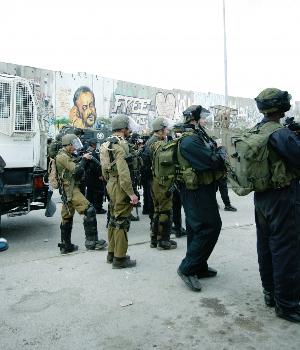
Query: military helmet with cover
[(71, 139), (194, 112), (120, 122), (273, 100), (159, 124)]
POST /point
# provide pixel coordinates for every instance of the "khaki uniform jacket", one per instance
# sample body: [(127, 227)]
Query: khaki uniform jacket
[(66, 171), (120, 169)]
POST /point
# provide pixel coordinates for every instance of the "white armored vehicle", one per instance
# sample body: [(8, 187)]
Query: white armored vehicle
[(23, 149)]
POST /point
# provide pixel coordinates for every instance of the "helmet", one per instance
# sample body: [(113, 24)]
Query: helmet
[(195, 112), (273, 100), (159, 124), (71, 139), (120, 122)]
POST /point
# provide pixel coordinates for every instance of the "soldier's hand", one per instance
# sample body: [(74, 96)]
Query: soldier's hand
[(133, 199), (87, 156)]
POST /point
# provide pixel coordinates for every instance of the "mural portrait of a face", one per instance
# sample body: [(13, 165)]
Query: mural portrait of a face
[(83, 113)]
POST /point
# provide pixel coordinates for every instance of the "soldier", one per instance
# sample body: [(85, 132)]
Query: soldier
[(54, 146), (277, 210), (161, 196), (69, 174), (177, 228), (114, 154), (94, 180), (203, 164)]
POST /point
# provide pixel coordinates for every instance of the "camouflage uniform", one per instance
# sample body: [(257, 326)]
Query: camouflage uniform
[(70, 173), (162, 202), (119, 188)]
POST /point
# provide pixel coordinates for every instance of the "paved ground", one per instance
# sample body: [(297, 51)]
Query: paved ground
[(49, 301)]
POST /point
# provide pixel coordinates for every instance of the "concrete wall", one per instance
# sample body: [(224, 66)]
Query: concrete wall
[(55, 91)]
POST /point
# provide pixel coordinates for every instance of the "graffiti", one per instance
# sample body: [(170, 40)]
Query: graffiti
[(83, 113), (131, 105), (232, 118), (223, 116), (63, 102), (165, 105)]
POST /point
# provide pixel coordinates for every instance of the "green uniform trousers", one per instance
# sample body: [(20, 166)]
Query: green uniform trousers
[(78, 203), (119, 223), (162, 219)]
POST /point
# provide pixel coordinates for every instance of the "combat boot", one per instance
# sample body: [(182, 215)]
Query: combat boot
[(123, 263), (154, 232), (110, 257), (66, 246), (166, 245), (178, 232), (91, 233), (269, 298), (153, 243)]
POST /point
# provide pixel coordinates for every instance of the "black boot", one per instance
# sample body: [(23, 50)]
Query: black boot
[(269, 298), (91, 233), (165, 243), (289, 315), (66, 246), (154, 232), (123, 263), (110, 257), (178, 231)]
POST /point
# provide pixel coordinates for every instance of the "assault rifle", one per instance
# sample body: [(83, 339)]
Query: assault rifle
[(62, 193), (135, 174)]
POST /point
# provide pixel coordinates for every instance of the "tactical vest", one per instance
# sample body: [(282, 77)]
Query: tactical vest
[(67, 176), (169, 166), (107, 157)]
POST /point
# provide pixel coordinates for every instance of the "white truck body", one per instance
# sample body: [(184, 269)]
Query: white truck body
[(20, 129), (23, 147)]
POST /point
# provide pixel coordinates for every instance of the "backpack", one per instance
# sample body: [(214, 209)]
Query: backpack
[(249, 167), (52, 174), (165, 165), (54, 148)]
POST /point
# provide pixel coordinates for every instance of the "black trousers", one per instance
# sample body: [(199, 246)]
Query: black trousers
[(223, 188), (177, 221), (203, 226), (277, 216), (95, 193), (147, 199)]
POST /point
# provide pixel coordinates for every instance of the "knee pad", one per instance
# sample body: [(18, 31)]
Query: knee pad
[(165, 216), (67, 223), (154, 224), (90, 212)]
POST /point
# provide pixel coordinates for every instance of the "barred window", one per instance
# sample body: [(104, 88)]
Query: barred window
[(24, 119)]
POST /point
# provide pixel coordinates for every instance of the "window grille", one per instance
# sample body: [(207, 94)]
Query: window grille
[(5, 107), (24, 116)]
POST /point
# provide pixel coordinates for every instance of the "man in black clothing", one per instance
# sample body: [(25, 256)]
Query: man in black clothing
[(277, 210), (94, 180), (205, 164)]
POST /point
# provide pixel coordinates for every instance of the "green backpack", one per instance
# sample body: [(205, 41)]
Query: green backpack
[(168, 168), (249, 167), (164, 162)]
